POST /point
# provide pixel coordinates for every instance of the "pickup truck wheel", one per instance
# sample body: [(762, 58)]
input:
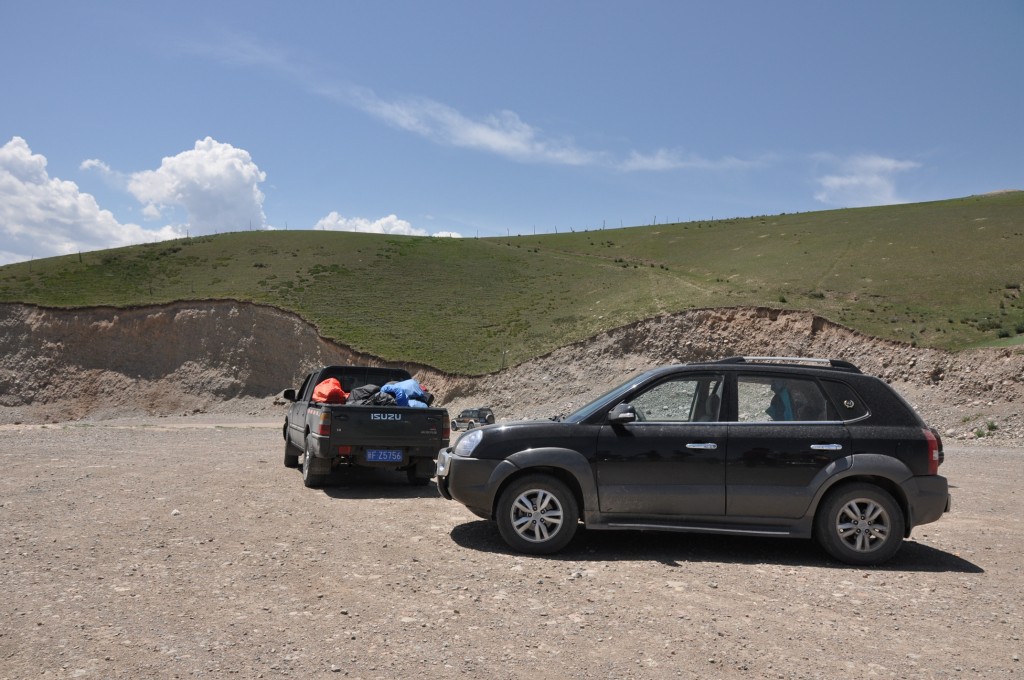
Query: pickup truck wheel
[(291, 452), (415, 479), (312, 477), (537, 514), (860, 524)]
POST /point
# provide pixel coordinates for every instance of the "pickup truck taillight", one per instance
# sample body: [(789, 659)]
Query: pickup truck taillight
[(323, 423), (934, 451), (446, 427)]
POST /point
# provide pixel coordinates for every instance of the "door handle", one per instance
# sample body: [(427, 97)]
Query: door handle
[(826, 447), (710, 446)]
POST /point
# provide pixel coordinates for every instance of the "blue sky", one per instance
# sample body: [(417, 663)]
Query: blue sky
[(130, 122)]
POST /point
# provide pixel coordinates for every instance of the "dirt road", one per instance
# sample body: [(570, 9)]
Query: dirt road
[(176, 548)]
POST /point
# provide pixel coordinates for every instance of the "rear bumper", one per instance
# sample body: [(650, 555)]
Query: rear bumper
[(929, 499), (319, 446)]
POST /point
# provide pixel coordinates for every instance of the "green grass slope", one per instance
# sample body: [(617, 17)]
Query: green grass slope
[(945, 274)]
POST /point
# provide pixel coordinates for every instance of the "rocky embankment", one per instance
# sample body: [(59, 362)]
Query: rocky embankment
[(232, 357)]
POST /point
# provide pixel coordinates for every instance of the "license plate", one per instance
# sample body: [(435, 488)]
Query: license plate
[(383, 456)]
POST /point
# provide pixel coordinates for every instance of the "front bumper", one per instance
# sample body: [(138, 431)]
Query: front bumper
[(470, 481), (443, 466)]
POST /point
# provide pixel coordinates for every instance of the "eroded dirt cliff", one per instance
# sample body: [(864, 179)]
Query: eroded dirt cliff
[(225, 355)]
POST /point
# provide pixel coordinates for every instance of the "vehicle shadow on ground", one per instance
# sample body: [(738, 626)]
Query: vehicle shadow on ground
[(349, 483), (676, 549)]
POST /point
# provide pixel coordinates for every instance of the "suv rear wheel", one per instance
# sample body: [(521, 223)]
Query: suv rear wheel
[(860, 524), (537, 514)]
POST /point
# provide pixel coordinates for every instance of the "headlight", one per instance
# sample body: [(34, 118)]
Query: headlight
[(468, 442), (443, 459)]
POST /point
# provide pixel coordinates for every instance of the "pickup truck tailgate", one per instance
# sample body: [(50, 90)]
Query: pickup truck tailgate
[(366, 426)]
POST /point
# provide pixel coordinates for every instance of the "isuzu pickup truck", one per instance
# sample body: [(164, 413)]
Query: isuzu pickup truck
[(330, 435)]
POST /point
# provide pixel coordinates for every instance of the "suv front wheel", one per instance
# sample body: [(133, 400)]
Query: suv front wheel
[(537, 514), (860, 524)]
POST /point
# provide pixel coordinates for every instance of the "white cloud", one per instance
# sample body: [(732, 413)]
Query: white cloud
[(385, 225), (506, 134), (862, 181), (216, 184), (665, 159), (503, 133), (96, 164), (43, 216)]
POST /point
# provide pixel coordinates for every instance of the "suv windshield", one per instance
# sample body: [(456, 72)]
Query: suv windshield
[(605, 400)]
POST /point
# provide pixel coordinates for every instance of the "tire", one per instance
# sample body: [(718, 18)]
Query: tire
[(416, 479), (291, 453), (313, 474), (860, 524), (537, 514)]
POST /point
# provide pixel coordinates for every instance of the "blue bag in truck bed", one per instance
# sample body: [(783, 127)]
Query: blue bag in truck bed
[(407, 393)]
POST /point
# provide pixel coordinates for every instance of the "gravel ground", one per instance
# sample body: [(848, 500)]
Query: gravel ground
[(181, 547)]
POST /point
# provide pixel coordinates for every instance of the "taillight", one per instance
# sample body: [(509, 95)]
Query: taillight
[(323, 424), (446, 426), (344, 450), (934, 451)]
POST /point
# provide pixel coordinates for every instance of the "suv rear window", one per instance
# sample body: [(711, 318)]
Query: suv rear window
[(775, 398)]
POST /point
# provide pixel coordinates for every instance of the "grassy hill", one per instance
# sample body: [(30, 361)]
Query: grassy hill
[(945, 274)]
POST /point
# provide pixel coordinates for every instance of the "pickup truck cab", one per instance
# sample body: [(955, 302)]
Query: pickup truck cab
[(330, 435)]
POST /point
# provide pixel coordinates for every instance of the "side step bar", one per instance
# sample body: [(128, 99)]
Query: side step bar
[(767, 531)]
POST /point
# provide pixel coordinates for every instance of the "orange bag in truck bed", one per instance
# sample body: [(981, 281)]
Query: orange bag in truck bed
[(330, 392)]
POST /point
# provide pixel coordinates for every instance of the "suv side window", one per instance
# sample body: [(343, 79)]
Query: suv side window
[(775, 398), (849, 403), (684, 400)]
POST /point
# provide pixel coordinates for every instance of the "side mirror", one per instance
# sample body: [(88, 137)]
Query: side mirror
[(289, 395), (621, 414)]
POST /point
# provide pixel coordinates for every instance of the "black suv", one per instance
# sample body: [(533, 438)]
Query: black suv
[(473, 417), (762, 446)]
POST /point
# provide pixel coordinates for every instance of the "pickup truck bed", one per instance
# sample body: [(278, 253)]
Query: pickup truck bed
[(330, 435)]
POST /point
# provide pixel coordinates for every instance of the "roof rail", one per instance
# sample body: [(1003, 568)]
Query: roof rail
[(833, 363)]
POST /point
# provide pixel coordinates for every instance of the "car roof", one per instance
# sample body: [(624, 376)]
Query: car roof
[(783, 364)]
